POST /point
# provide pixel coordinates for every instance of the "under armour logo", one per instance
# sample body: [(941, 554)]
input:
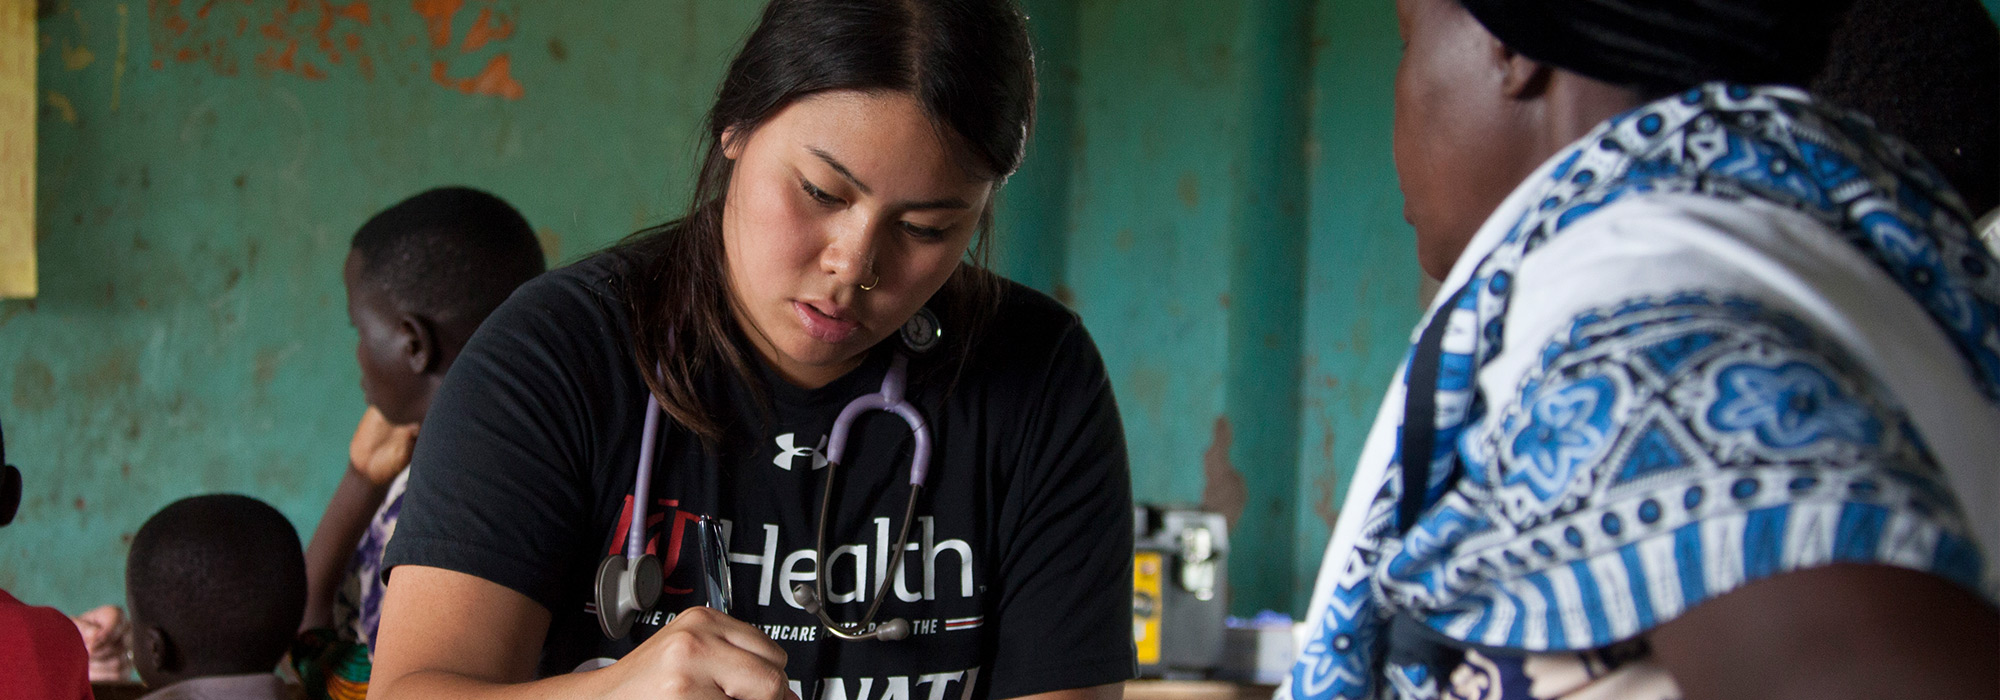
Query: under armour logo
[(787, 450)]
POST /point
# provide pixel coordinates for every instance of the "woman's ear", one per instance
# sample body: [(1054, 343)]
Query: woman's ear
[(732, 142), (1521, 77)]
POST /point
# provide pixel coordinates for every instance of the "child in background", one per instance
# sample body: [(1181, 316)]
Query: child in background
[(420, 277), (216, 586)]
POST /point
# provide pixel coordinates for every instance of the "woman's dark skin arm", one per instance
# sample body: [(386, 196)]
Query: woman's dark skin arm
[(379, 451), (1839, 631), (347, 515)]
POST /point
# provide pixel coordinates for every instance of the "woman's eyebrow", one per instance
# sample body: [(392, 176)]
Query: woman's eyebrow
[(832, 162)]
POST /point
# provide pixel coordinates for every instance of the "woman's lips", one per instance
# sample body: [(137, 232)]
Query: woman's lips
[(822, 325)]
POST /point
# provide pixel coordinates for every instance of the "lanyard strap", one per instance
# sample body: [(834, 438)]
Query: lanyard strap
[(1418, 442)]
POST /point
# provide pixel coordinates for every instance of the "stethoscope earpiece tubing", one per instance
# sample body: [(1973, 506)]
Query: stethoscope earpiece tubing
[(617, 583)]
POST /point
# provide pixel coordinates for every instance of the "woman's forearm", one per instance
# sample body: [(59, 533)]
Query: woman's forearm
[(440, 684), (340, 528)]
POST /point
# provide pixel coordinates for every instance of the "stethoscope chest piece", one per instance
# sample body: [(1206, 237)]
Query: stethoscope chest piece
[(922, 332), (625, 589)]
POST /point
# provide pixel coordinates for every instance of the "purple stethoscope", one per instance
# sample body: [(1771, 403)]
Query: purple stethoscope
[(628, 585)]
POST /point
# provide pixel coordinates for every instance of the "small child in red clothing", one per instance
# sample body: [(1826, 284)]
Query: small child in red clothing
[(41, 653)]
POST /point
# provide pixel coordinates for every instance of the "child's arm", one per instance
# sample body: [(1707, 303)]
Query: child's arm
[(378, 452)]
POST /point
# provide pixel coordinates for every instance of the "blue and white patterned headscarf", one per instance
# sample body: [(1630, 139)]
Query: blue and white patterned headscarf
[(1594, 506)]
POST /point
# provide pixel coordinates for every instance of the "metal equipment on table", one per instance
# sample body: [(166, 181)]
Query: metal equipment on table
[(1180, 590)]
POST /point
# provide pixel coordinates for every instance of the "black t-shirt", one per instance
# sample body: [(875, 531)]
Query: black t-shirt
[(1017, 576)]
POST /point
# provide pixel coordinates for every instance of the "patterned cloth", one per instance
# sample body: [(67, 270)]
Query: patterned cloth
[(363, 610), (1619, 672), (330, 668), (335, 664), (1668, 379)]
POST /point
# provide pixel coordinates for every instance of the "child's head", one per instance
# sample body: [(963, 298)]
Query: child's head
[(420, 277), (10, 485), (216, 586)]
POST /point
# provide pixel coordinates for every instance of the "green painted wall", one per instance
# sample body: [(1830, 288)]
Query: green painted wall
[(196, 198), (1209, 185), (1364, 290), (1236, 245)]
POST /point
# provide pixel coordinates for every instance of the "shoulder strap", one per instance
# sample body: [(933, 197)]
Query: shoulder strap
[(1418, 442)]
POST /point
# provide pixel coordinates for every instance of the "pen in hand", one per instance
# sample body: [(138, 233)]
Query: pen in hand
[(714, 564)]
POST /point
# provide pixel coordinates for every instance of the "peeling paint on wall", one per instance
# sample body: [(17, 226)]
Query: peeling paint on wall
[(1223, 489), (437, 16), (64, 110), (317, 40), (486, 29), (1328, 509), (34, 386), (118, 62), (494, 79)]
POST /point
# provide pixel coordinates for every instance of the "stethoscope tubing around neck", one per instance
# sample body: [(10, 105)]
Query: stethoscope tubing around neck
[(629, 585), (642, 486), (890, 399)]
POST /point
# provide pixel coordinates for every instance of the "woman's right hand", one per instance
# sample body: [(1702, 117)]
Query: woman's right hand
[(704, 655), (450, 634)]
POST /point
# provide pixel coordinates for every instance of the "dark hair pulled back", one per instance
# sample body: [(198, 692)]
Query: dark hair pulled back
[(968, 65)]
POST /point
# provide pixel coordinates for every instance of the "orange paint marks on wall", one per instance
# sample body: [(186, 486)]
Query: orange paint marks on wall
[(438, 14), (283, 61), (496, 79), (315, 39), (484, 29), (176, 39), (322, 31), (357, 11)]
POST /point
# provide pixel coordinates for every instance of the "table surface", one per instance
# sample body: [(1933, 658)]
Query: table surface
[(1134, 690), (1196, 690)]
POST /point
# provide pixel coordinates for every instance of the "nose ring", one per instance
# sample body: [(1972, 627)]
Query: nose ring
[(870, 286)]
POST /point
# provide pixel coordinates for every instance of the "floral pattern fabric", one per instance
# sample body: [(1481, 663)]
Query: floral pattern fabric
[(1665, 449)]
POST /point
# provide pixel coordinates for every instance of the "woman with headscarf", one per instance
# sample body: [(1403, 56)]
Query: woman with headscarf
[(1709, 404)]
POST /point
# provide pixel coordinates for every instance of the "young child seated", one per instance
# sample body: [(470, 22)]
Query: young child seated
[(420, 276), (215, 585)]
